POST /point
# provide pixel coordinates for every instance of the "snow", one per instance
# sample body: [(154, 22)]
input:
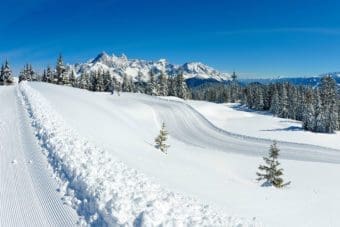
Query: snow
[(28, 195), (103, 189), (240, 120), (204, 162)]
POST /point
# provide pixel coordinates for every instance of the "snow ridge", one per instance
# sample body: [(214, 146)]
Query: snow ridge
[(105, 191)]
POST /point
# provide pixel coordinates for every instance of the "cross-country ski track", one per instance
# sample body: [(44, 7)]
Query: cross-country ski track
[(28, 193)]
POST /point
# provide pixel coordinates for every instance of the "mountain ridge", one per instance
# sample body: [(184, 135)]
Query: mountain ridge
[(118, 66)]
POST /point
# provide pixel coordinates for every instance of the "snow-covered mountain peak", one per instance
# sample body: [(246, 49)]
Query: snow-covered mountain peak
[(203, 71), (118, 66), (102, 57)]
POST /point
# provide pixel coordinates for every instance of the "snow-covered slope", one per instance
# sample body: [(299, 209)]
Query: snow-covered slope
[(118, 66), (104, 190), (204, 162), (230, 116)]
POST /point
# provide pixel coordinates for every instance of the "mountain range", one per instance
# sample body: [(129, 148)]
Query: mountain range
[(118, 66), (195, 73)]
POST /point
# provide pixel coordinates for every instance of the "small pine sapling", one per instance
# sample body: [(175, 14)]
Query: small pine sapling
[(161, 139), (270, 172)]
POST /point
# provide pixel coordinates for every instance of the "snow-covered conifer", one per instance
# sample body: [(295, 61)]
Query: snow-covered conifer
[(49, 74), (152, 85), (275, 103), (182, 88), (60, 78), (44, 76), (308, 120), (100, 81), (107, 79), (320, 119), (161, 139), (6, 77), (72, 78), (283, 102), (163, 85), (328, 97), (270, 172)]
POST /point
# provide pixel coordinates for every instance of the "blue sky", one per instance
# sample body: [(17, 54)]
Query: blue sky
[(255, 38)]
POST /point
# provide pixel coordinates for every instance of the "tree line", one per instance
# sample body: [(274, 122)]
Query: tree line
[(318, 108), (6, 77)]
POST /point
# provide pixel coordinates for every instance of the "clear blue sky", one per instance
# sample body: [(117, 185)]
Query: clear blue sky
[(256, 38)]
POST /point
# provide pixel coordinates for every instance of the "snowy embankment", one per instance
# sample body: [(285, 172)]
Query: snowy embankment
[(104, 190)]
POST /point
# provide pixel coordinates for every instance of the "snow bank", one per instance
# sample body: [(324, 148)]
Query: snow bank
[(105, 191)]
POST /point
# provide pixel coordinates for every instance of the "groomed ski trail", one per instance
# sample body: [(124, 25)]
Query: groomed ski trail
[(28, 192)]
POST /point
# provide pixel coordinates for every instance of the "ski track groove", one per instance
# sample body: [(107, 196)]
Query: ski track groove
[(193, 128), (28, 195)]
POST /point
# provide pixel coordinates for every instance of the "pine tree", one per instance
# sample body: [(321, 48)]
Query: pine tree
[(2, 75), (139, 84), (65, 80), (127, 85), (283, 103), (32, 74), (84, 81), (182, 89), (60, 71), (292, 102), (163, 85), (161, 139), (72, 78), (320, 119), (270, 172), (108, 86), (100, 81), (49, 74), (234, 88), (172, 87), (118, 88), (308, 119), (275, 103), (258, 105), (152, 85), (308, 122), (44, 76), (132, 85), (300, 104), (329, 103), (24, 75), (6, 74)]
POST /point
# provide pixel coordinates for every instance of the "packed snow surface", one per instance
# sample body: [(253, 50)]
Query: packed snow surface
[(28, 195), (215, 166), (102, 188)]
